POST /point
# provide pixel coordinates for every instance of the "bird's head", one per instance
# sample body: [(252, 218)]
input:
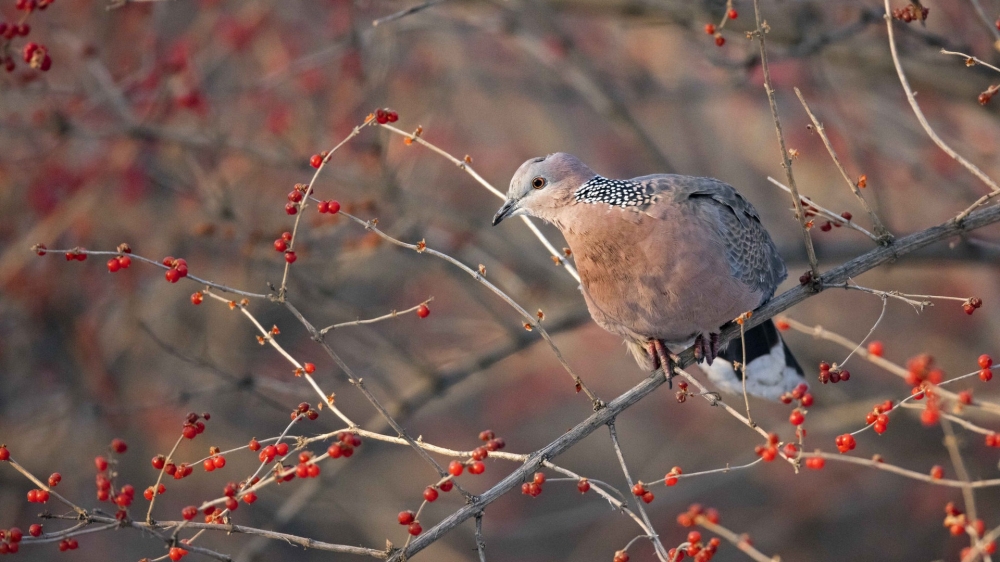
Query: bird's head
[(543, 186)]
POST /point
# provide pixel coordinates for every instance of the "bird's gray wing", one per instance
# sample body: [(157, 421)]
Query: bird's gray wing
[(750, 252)]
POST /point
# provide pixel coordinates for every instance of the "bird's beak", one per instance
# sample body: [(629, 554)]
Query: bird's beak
[(507, 210)]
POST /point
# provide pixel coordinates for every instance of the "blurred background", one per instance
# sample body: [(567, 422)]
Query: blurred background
[(179, 127)]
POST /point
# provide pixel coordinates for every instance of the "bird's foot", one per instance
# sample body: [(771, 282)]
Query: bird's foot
[(706, 349), (665, 359)]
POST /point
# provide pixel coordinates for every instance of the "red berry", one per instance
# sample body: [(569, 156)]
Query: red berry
[(101, 463), (249, 497), (316, 161), (648, 497), (118, 446), (876, 348), (694, 537), (480, 453), (295, 196), (638, 489), (309, 368), (815, 463), (322, 206), (621, 556), (219, 462), (254, 445), (333, 207), (197, 297), (782, 324), (455, 468), (845, 442), (985, 375), (291, 208), (423, 311), (720, 40), (281, 449), (209, 465), (937, 472), (710, 28), (176, 553), (430, 494), (807, 400), (280, 245), (985, 361), (930, 416), (172, 275), (189, 512), (796, 417), (55, 479), (35, 530), (4, 453), (335, 451), (381, 116), (446, 486), (290, 256), (113, 265), (583, 485), (189, 431), (733, 14), (124, 262), (477, 467), (415, 529), (405, 517)]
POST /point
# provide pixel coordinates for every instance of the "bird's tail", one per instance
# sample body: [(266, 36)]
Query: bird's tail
[(771, 368)]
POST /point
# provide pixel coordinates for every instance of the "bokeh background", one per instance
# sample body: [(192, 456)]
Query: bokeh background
[(179, 126)]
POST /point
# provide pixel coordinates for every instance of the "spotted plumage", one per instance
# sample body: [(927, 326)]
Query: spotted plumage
[(617, 193)]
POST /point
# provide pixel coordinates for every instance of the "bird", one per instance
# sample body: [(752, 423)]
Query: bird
[(664, 261)]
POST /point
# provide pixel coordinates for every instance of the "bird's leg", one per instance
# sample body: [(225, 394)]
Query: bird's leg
[(699, 352), (666, 361), (713, 347), (651, 350)]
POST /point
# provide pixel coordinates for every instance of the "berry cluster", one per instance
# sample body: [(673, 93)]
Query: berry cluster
[(78, 253), (178, 268), (829, 225), (534, 488), (800, 393), (815, 463), (671, 478), (214, 461), (306, 467), (640, 491), (64, 545), (36, 55), (193, 426), (331, 207), (345, 445), (845, 443), (710, 28), (383, 116), (295, 197), (987, 95), (986, 366), (912, 12), (768, 452), (970, 305), (878, 418), (832, 374), (409, 519), (695, 548)]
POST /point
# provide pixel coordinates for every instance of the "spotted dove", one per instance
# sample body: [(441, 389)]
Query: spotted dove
[(665, 260)]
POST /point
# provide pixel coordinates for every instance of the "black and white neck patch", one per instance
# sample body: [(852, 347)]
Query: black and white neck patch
[(617, 193)]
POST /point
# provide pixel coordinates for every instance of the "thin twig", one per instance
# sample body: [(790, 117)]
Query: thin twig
[(480, 543), (405, 12), (737, 541), (986, 21), (786, 160), (530, 321), (159, 478), (834, 217), (661, 552), (884, 236), (968, 496), (467, 168), (970, 58), (391, 315), (912, 98)]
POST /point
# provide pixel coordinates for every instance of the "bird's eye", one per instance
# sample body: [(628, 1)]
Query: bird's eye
[(538, 182)]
